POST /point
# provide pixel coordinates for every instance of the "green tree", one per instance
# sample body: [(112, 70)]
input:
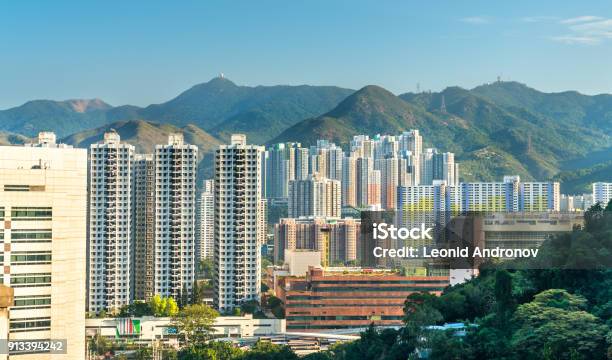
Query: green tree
[(136, 309), (555, 324), (445, 345), (420, 311), (264, 350), (195, 322), (215, 350)]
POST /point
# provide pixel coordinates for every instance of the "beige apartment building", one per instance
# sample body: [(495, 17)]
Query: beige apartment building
[(43, 197)]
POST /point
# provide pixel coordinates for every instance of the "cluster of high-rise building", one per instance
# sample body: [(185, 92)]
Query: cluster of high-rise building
[(147, 222), (141, 228), (367, 175)]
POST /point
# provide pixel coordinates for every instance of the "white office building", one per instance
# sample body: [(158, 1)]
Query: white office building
[(238, 206), (43, 221)]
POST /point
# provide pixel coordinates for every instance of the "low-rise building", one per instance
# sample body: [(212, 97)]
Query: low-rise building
[(148, 328), (341, 298)]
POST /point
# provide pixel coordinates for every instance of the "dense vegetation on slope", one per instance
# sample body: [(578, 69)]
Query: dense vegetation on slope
[(218, 104), (489, 140)]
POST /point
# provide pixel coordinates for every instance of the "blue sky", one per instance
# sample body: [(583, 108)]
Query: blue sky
[(129, 52)]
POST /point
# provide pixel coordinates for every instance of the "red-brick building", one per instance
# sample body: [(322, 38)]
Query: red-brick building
[(337, 298)]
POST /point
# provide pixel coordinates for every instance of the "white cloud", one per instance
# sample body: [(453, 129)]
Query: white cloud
[(476, 20), (573, 40), (585, 30), (581, 19)]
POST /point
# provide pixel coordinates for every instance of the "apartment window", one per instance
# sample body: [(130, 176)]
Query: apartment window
[(31, 213)]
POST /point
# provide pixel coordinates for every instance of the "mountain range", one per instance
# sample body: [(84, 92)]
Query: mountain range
[(494, 129)]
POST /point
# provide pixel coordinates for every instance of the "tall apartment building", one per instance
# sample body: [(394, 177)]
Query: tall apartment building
[(334, 237), (393, 173), (411, 147), (364, 167), (175, 183), (144, 225), (111, 251), (237, 235), (349, 181), (438, 166), (301, 163), (602, 193), (43, 221), (206, 221), (314, 196), (334, 158), (280, 169)]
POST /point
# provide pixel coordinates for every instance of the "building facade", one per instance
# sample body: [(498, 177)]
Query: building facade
[(340, 298), (43, 207), (206, 221), (335, 238), (175, 185), (314, 196), (237, 230), (602, 193), (111, 220)]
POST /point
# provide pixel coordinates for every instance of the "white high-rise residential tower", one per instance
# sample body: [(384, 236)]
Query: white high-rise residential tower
[(206, 221), (175, 182), (110, 224), (238, 208)]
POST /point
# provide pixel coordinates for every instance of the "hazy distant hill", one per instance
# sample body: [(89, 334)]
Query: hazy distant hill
[(569, 107), (64, 117), (12, 139), (219, 106), (495, 129), (145, 135)]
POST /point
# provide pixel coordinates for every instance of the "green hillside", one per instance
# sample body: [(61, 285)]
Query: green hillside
[(489, 140), (218, 106), (145, 135)]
